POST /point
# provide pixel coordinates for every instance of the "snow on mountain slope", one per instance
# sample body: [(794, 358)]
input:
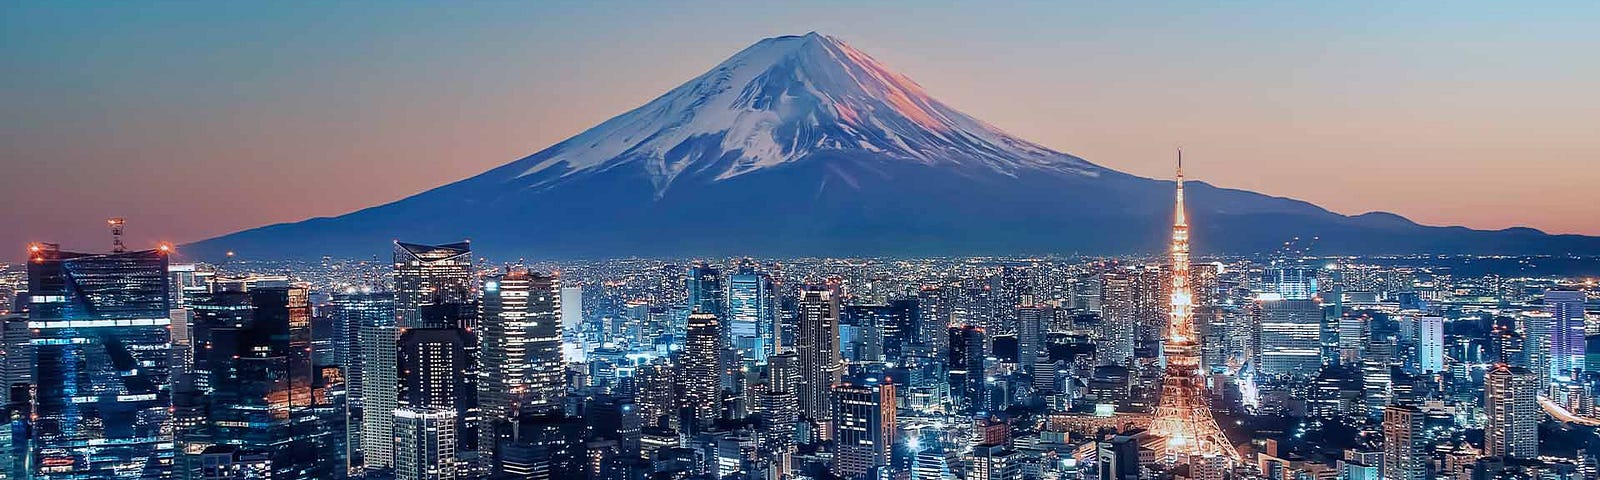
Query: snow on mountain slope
[(779, 101)]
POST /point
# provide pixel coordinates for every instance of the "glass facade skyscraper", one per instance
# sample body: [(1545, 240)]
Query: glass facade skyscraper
[(103, 350), (262, 391), (752, 315)]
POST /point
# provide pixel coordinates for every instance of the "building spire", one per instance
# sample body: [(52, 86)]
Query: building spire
[(1180, 218)]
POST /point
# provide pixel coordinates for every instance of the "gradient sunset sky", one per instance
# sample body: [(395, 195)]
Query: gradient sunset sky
[(194, 120)]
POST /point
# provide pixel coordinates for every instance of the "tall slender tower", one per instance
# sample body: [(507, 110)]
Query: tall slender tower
[(1184, 417)]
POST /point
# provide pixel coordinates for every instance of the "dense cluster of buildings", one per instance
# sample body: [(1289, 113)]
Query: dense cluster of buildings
[(437, 365)]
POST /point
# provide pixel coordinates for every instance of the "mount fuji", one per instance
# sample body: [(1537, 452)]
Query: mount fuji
[(803, 145)]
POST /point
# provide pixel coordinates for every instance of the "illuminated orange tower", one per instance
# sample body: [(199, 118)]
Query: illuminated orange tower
[(1184, 416)]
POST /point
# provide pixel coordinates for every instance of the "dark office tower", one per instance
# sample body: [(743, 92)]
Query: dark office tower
[(615, 418), (817, 346), (966, 367), (933, 319), (881, 332), (522, 366), (365, 318), (865, 433), (1566, 331), (705, 290), (1117, 321), (752, 314), (1032, 324), (16, 355), (103, 351), (779, 411), (427, 274), (1511, 428), (546, 447), (701, 372), (253, 350), (438, 373), (656, 396), (1405, 455)]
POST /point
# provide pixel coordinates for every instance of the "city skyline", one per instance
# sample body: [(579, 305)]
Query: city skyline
[(1409, 115), (799, 263)]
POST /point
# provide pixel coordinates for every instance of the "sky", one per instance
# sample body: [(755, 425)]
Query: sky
[(197, 119)]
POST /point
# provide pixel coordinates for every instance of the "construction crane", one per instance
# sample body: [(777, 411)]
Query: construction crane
[(116, 234)]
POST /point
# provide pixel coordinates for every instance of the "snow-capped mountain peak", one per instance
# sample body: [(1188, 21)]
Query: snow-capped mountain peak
[(779, 101)]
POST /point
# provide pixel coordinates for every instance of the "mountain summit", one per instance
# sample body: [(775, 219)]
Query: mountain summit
[(803, 145), (780, 101)]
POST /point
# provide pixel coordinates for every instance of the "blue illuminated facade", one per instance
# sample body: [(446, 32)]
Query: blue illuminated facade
[(100, 333)]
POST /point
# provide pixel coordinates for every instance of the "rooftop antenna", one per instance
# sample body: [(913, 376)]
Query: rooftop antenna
[(116, 234)]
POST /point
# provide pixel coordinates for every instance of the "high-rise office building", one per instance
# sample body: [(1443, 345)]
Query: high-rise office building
[(1291, 336), (520, 334), (1537, 338), (1032, 325), (817, 346), (1117, 322), (933, 319), (1511, 426), (701, 370), (994, 462), (16, 356), (260, 388), (439, 372), (864, 435), (779, 411), (704, 285), (966, 368), (103, 351), (1424, 340), (1566, 331), (364, 319), (1293, 282), (1405, 456), (752, 314), (428, 274), (425, 444)]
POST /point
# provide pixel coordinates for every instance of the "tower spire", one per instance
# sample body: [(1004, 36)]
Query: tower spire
[(1184, 417)]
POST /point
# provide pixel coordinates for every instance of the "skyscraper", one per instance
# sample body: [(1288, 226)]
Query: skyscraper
[(1117, 320), (253, 353), (1405, 455), (1566, 331), (1291, 336), (365, 320), (1424, 339), (1032, 325), (425, 444), (933, 319), (817, 346), (427, 274), (522, 366), (702, 392), (705, 290), (752, 314), (103, 352), (966, 368), (1511, 426), (865, 416), (1184, 415), (439, 373)]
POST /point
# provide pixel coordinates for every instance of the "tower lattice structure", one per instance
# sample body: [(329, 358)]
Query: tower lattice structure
[(1184, 415)]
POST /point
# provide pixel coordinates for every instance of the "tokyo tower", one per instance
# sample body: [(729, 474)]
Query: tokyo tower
[(1184, 415)]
